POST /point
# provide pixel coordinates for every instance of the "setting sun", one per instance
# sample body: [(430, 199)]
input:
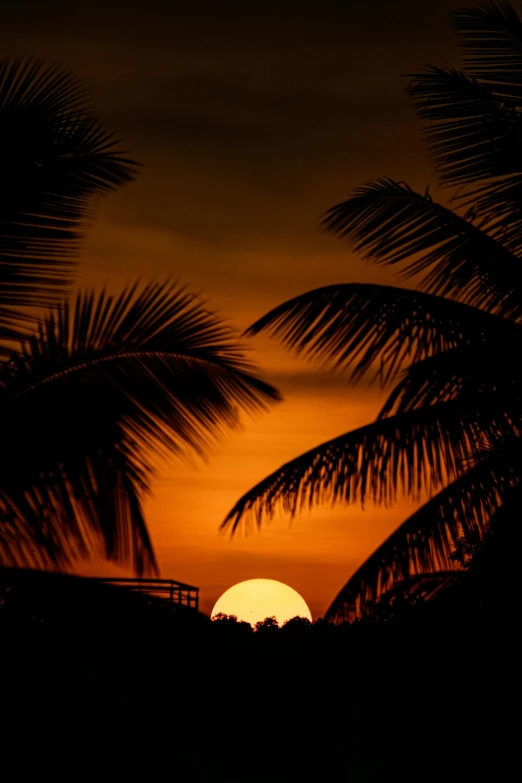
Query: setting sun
[(255, 599)]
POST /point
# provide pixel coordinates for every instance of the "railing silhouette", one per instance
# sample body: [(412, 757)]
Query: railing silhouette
[(176, 593), (43, 591)]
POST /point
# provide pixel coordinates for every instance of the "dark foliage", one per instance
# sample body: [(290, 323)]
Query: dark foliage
[(56, 158)]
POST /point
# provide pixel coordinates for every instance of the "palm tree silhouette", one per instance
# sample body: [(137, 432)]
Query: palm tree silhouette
[(451, 424), (56, 159), (92, 389)]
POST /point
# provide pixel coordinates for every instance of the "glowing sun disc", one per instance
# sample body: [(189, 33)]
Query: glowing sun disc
[(255, 599)]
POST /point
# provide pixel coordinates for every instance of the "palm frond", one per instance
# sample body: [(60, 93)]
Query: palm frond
[(462, 373), (157, 349), (375, 328), (106, 384), (405, 455), (470, 133), (56, 157), (475, 141), (389, 223), (73, 495), (492, 576), (426, 541), (474, 125), (19, 547), (499, 204), (491, 37)]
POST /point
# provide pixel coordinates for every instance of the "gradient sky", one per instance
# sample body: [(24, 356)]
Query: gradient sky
[(251, 118)]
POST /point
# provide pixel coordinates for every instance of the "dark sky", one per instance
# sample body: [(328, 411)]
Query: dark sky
[(250, 119)]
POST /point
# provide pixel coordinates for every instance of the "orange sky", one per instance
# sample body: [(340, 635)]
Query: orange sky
[(250, 119)]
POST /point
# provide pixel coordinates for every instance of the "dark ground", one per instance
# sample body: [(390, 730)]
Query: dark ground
[(107, 691)]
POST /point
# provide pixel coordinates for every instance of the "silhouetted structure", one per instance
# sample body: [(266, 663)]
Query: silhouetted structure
[(39, 595), (167, 590)]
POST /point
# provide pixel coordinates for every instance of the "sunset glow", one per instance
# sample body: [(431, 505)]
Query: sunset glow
[(255, 599), (247, 133)]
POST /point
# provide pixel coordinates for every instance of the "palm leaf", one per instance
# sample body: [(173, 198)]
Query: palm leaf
[(471, 134), (492, 573), (18, 547), (462, 373), (498, 203), (365, 327), (474, 125), (405, 455), (491, 37), (389, 223), (475, 140), (56, 157), (106, 384), (156, 348), (426, 541)]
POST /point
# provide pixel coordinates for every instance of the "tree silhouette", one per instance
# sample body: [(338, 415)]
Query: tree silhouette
[(297, 623), (266, 626), (92, 390), (451, 424), (57, 159)]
